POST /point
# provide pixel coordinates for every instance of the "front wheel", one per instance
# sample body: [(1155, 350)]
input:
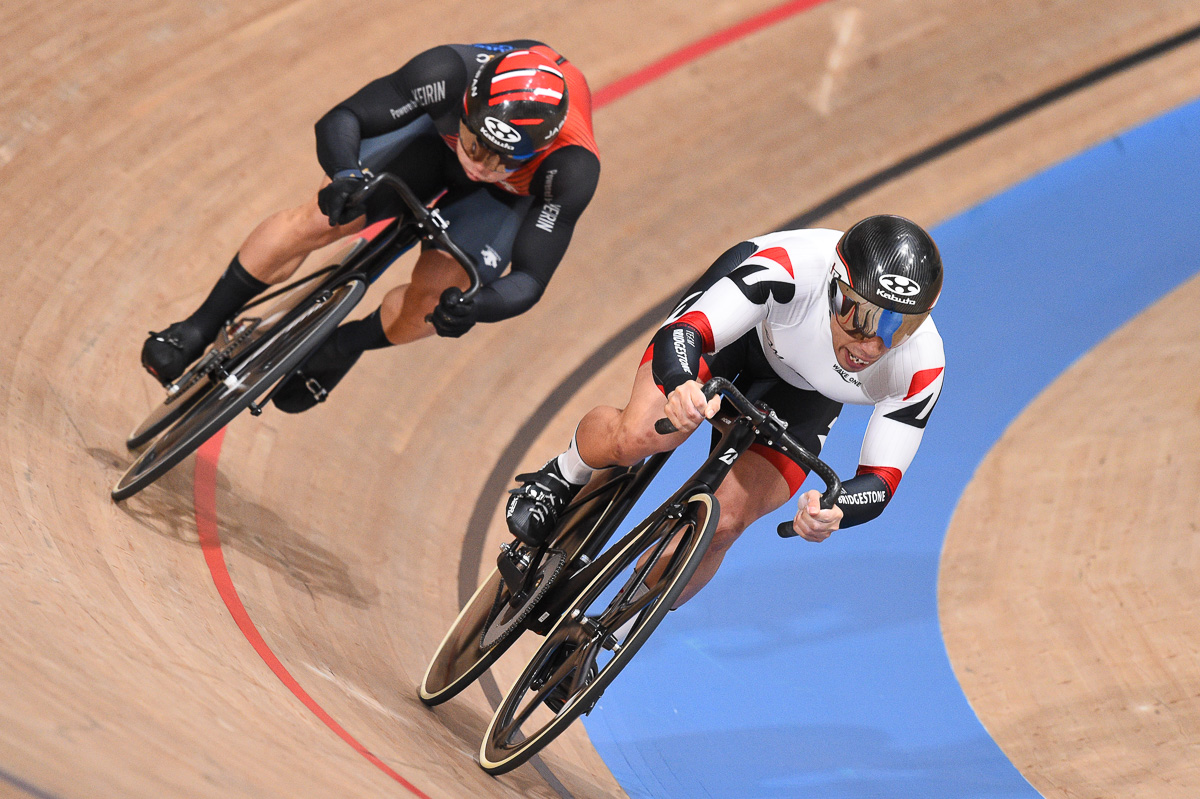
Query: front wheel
[(599, 631), (273, 357), (166, 414)]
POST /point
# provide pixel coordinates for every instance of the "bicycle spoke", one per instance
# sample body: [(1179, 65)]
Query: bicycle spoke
[(509, 730), (630, 601), (613, 618), (574, 634), (583, 666)]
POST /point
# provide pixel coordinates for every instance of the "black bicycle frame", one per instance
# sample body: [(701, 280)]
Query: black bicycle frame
[(380, 253), (630, 494), (629, 486), (751, 424), (735, 440)]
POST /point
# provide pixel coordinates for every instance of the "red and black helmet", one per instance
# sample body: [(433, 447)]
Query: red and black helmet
[(516, 104)]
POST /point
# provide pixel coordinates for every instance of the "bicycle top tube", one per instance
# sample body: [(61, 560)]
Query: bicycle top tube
[(431, 224)]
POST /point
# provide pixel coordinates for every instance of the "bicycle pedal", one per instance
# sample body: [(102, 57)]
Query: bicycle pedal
[(316, 389), (234, 331)]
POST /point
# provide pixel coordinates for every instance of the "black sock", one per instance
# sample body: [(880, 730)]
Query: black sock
[(352, 338), (235, 288)]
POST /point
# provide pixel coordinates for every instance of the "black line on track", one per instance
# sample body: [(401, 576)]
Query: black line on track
[(990, 125), (512, 455), (28, 788)]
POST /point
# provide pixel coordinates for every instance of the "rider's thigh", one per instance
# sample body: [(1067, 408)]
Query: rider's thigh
[(635, 435), (753, 489), (312, 226), (434, 272)]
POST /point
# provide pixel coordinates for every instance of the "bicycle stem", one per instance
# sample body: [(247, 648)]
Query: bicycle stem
[(757, 418), (432, 225)]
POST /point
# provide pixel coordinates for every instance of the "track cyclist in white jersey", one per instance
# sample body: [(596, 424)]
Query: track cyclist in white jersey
[(804, 320)]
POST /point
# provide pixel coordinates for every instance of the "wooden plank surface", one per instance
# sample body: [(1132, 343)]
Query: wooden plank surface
[(140, 141)]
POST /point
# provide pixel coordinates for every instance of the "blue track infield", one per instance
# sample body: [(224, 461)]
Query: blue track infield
[(808, 670)]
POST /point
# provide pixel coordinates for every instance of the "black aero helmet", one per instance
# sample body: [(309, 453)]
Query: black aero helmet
[(886, 278), (516, 104)]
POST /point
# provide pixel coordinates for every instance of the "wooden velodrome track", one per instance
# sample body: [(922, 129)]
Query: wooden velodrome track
[(140, 141)]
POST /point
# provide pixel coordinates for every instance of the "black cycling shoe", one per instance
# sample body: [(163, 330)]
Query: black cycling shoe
[(166, 355), (323, 370), (533, 509)]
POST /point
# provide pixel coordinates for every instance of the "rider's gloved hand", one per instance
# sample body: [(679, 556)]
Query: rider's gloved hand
[(812, 523), (454, 316), (332, 199), (687, 406)]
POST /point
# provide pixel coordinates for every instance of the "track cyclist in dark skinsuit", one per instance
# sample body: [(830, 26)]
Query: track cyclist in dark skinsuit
[(804, 320), (505, 129)]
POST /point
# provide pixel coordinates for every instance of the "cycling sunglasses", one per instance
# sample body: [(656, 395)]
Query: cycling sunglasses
[(508, 161), (862, 319)]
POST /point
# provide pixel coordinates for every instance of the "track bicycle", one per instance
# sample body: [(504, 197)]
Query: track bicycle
[(254, 353), (564, 589)]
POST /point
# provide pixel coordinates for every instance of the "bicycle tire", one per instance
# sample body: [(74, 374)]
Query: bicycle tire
[(166, 414), (280, 350), (170, 410), (460, 657), (499, 753)]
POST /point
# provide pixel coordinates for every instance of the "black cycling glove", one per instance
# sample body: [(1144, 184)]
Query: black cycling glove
[(332, 199), (453, 316)]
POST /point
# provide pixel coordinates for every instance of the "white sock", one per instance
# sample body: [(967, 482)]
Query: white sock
[(572, 466)]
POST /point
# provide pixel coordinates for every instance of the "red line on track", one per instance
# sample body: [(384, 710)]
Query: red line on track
[(623, 86), (205, 482), (205, 498)]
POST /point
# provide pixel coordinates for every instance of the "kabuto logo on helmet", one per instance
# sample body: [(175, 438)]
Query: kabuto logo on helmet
[(899, 284), (500, 132)]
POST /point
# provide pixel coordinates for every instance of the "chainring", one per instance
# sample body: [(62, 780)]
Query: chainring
[(504, 618)]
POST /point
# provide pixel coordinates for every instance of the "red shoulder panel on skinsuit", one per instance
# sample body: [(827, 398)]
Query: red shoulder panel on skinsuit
[(778, 255), (885, 473), (921, 381), (699, 321)]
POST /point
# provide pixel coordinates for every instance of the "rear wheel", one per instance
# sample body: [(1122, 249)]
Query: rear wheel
[(589, 645), (276, 352)]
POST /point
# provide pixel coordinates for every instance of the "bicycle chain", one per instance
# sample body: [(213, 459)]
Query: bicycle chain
[(493, 632), (215, 358)]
